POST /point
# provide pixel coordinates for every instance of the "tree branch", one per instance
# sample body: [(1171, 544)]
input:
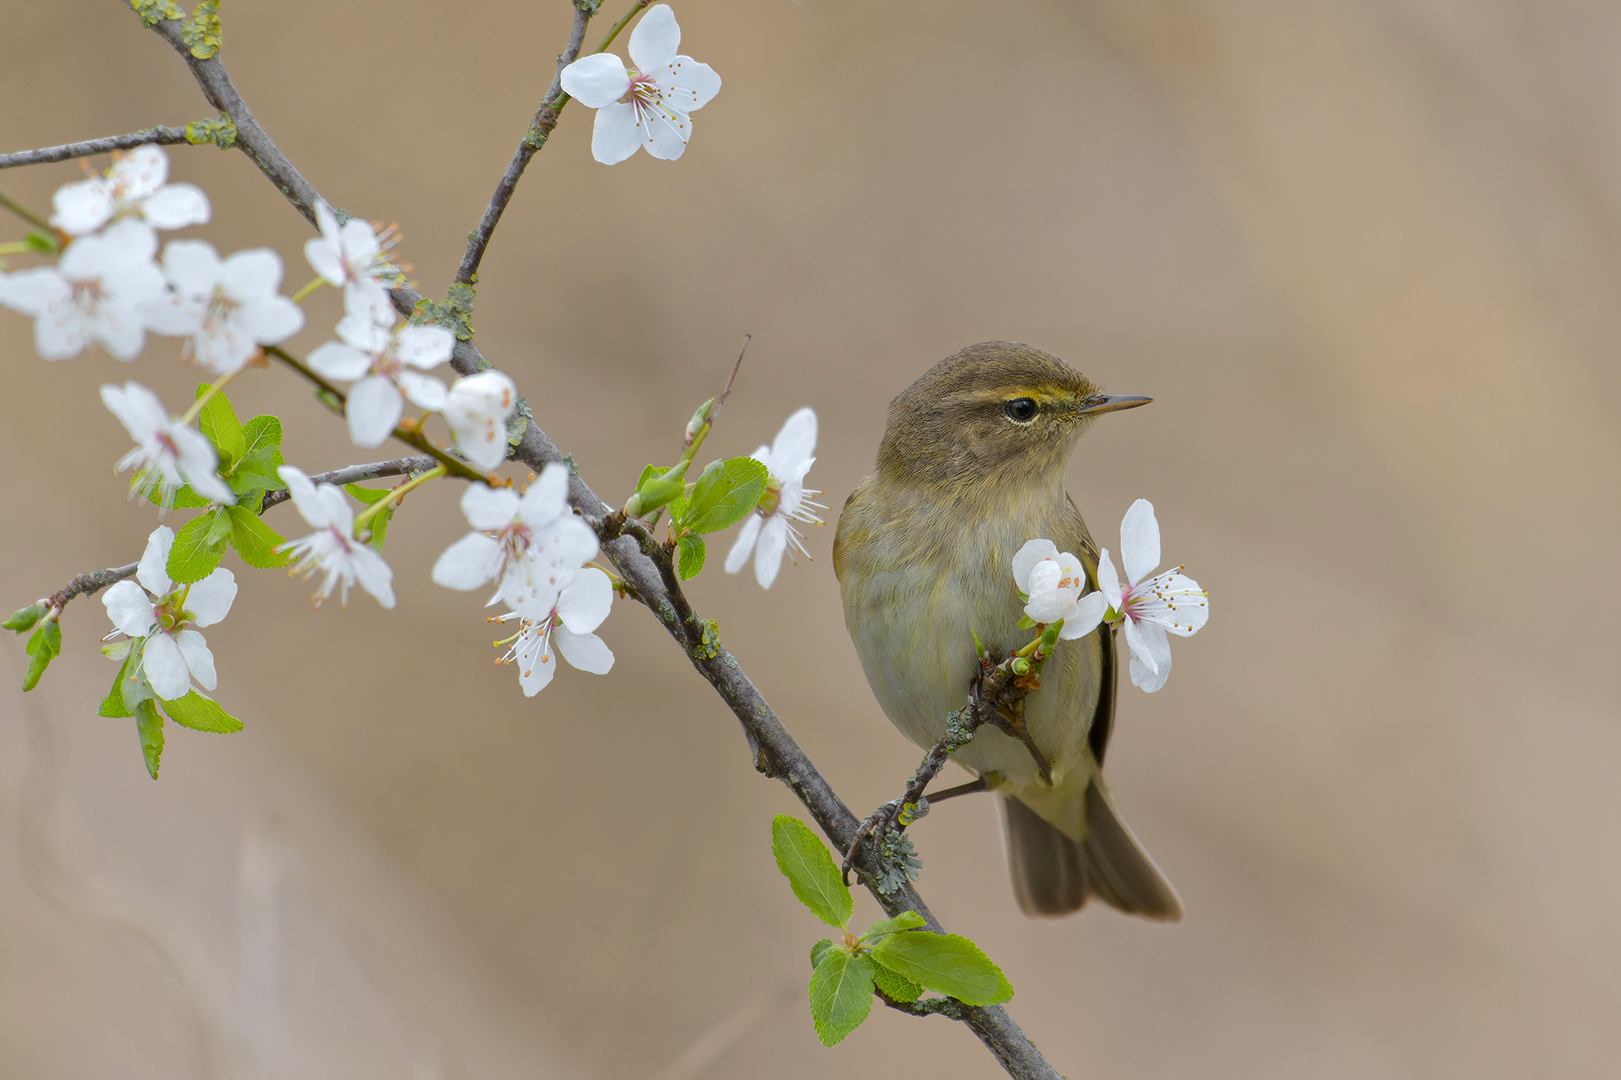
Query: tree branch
[(540, 129), (775, 752), (161, 136)]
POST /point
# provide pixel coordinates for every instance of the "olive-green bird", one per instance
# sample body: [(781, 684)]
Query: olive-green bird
[(971, 466)]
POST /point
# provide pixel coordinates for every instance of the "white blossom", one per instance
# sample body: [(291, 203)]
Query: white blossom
[(568, 621), (1054, 581), (768, 531), (167, 453), (94, 294), (1149, 607), (227, 308), (388, 364), (172, 653), (332, 548), (353, 258), (133, 188), (649, 104), (477, 408), (528, 545)]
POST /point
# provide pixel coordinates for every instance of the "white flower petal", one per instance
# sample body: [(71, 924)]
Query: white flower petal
[(269, 320), (1025, 560), (305, 496), (254, 274), (546, 499), (1109, 581), (488, 507), (746, 537), (166, 667), (125, 243), (597, 80), (424, 346), (768, 553), (192, 267), (35, 291), (137, 408), (194, 650), (120, 329), (795, 443), (176, 206), (585, 601), (425, 391), (536, 666), (1173, 601), (1086, 616), (83, 207), (209, 600), (129, 608), (587, 652), (373, 574), (689, 84), (476, 409), (1139, 541), (656, 38), (153, 570), (373, 409), (468, 563), (1150, 655), (140, 173), (665, 133), (199, 464), (335, 360), (617, 134)]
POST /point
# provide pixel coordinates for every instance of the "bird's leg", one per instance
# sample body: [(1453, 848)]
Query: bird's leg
[(970, 788), (1010, 721), (877, 820)]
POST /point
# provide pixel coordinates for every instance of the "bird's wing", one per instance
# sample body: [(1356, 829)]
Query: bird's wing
[(1102, 726)]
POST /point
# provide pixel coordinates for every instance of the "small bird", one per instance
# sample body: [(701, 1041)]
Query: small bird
[(971, 467)]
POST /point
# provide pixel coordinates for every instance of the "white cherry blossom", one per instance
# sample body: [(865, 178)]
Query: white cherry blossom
[(388, 364), (528, 545), (768, 532), (227, 308), (94, 294), (477, 408), (568, 622), (167, 453), (332, 548), (1149, 607), (172, 653), (132, 188), (649, 104), (352, 257), (1054, 581)]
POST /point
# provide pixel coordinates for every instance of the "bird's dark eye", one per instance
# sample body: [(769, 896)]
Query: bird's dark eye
[(1021, 410)]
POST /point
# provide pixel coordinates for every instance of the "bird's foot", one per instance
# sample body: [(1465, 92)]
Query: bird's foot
[(879, 819)]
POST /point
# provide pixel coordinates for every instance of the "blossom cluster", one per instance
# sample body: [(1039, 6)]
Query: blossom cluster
[(1147, 606)]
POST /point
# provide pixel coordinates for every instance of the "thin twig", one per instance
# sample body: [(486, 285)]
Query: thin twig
[(17, 208), (775, 752), (160, 136), (726, 391), (89, 585)]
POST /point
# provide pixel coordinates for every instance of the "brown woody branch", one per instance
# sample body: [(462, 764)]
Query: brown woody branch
[(644, 564), (160, 136)]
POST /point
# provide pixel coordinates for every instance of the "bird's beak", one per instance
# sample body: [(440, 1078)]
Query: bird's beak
[(1102, 403)]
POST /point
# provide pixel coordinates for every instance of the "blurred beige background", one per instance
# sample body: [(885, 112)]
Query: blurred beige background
[(1364, 255)]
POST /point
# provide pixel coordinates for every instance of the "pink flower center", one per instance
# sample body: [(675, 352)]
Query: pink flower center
[(515, 539)]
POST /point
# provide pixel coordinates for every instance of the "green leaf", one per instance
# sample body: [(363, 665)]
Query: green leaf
[(840, 994), (724, 496), (948, 964), (24, 618), (819, 950), (219, 423), (379, 522), (906, 920), (656, 488), (201, 714), (187, 499), (202, 34), (804, 860), (149, 724), (196, 549), (43, 647), (261, 437), (895, 985), (254, 541), (691, 555), (135, 689), (113, 703)]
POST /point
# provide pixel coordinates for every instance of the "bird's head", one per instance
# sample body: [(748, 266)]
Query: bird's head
[(996, 411)]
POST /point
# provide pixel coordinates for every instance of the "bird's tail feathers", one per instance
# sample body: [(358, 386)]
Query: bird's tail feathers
[(1054, 875)]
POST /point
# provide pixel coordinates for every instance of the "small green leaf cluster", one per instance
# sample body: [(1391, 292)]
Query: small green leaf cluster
[(132, 695), (249, 455), (202, 32), (221, 132), (44, 646), (896, 958)]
